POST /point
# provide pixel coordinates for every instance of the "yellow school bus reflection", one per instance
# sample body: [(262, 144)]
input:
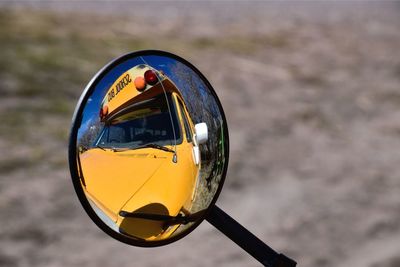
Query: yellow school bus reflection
[(142, 171)]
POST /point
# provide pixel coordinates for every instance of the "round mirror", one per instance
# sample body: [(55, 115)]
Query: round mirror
[(148, 149)]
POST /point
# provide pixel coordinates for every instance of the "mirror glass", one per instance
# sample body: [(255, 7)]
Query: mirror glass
[(148, 148)]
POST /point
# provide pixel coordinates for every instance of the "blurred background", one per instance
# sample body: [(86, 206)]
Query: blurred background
[(311, 92)]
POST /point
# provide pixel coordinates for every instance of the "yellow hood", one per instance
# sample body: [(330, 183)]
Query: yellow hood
[(112, 178)]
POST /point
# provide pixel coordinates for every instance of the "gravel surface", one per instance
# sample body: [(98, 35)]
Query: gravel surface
[(311, 92)]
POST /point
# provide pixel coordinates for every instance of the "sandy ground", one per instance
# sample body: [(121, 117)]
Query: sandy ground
[(311, 92)]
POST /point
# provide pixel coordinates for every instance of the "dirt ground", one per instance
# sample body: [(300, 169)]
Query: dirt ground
[(311, 92)]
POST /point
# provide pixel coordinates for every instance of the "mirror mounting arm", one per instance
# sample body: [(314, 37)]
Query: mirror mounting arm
[(246, 240), (169, 220)]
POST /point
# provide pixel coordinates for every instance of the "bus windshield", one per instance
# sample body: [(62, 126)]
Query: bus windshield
[(147, 122)]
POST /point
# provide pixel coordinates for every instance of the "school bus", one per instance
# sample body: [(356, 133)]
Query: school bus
[(144, 166)]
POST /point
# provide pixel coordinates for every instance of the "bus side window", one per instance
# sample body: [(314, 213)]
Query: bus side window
[(185, 121)]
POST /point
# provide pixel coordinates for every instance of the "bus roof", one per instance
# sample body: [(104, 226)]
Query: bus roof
[(129, 89)]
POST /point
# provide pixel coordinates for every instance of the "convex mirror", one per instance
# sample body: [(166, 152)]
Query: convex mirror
[(148, 148)]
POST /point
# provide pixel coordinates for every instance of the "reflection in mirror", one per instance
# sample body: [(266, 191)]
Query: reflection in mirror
[(151, 147)]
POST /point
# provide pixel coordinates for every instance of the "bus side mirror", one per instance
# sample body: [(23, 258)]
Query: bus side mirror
[(128, 182), (141, 196), (201, 133)]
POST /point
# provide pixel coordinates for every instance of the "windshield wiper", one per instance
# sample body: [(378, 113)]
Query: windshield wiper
[(114, 149), (99, 146), (152, 145)]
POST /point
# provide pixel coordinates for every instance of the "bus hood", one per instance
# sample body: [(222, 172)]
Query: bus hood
[(112, 178)]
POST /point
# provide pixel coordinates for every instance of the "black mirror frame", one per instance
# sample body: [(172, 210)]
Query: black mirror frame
[(72, 149)]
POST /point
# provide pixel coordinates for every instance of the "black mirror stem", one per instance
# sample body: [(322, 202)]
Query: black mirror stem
[(246, 240)]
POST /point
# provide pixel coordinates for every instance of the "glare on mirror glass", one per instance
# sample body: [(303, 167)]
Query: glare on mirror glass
[(150, 147)]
